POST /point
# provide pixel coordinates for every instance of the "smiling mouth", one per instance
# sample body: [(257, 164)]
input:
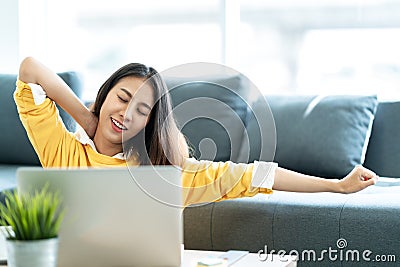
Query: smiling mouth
[(119, 125)]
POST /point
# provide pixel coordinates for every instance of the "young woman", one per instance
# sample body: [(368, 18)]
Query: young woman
[(131, 122)]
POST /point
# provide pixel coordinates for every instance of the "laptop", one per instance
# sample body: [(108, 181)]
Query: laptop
[(115, 216)]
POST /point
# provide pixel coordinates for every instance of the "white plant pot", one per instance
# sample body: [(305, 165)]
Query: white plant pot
[(33, 253)]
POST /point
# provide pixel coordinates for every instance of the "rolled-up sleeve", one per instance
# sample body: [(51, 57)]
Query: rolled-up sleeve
[(207, 181), (264, 174)]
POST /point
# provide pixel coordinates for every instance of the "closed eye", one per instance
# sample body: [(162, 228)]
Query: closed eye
[(141, 112), (123, 99)]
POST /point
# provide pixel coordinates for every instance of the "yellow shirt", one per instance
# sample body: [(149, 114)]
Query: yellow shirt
[(203, 181)]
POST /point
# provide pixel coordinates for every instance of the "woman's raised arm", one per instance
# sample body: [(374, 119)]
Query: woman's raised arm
[(32, 71)]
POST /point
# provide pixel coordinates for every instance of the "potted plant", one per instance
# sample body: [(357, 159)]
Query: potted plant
[(33, 222)]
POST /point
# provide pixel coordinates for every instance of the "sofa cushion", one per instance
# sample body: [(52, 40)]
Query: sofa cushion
[(14, 141), (322, 136), (211, 113), (259, 138), (383, 153)]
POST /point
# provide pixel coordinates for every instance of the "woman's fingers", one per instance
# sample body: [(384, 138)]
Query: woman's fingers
[(367, 174), (358, 179)]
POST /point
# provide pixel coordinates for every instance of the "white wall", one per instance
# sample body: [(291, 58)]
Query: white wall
[(9, 36)]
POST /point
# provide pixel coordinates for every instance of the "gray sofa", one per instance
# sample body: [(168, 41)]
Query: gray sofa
[(324, 136)]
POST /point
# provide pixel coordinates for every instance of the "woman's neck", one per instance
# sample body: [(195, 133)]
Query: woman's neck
[(106, 149)]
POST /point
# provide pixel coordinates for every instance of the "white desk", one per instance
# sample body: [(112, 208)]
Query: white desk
[(191, 257)]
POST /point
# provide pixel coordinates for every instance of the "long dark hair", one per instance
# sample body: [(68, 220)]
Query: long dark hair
[(160, 142)]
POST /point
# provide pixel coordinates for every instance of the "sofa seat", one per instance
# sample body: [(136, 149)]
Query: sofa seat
[(301, 221)]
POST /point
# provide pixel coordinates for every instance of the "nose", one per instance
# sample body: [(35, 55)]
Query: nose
[(126, 115)]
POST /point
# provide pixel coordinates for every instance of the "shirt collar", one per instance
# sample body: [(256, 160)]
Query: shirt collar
[(84, 139)]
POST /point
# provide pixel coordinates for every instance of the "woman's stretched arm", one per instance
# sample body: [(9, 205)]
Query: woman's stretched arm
[(358, 179), (32, 71)]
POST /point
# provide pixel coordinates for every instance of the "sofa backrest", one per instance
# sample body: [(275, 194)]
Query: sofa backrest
[(14, 143), (320, 135), (383, 153), (211, 114), (317, 135)]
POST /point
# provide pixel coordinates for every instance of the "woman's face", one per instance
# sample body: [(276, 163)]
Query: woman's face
[(116, 119)]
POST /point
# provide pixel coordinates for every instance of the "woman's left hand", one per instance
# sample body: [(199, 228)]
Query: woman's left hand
[(358, 179)]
